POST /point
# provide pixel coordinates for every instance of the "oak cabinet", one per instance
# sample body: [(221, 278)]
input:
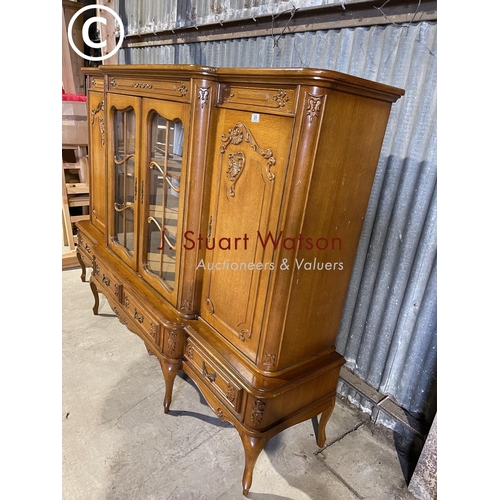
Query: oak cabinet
[(228, 209)]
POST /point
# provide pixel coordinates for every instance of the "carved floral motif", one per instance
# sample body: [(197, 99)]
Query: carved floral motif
[(257, 411), (186, 305), (210, 305), (230, 393), (269, 359), (281, 98), (313, 106), (203, 94), (140, 85), (226, 93), (235, 165), (152, 330), (182, 89), (190, 352), (97, 109), (245, 333), (102, 130), (236, 161), (220, 413), (172, 342), (122, 320)]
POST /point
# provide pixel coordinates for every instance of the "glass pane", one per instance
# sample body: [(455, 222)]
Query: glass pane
[(124, 178), (167, 140)]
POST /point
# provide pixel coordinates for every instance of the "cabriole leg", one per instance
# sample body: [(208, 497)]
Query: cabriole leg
[(252, 445), (83, 276), (325, 416), (95, 309), (170, 371)]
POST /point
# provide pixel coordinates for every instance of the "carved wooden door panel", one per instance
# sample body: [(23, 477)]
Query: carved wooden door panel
[(97, 156), (250, 166), (124, 119)]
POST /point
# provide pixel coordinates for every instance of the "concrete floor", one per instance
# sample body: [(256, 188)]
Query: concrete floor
[(118, 443)]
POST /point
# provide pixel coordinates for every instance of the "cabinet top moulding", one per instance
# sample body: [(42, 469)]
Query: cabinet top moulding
[(278, 76)]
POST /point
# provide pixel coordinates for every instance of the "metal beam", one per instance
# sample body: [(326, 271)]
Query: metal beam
[(296, 21)]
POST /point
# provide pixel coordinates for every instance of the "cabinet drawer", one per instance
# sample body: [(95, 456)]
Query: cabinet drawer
[(142, 317), (173, 89), (107, 280), (223, 384), (280, 100), (85, 246)]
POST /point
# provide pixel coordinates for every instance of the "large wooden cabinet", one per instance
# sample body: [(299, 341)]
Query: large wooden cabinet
[(227, 206)]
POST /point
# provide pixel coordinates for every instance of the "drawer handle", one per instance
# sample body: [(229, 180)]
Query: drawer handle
[(105, 280), (140, 319), (210, 376)]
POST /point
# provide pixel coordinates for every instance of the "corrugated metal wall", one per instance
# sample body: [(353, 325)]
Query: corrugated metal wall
[(153, 16), (388, 331)]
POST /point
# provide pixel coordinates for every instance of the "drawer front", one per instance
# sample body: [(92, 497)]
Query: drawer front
[(280, 100), (142, 317), (223, 384), (85, 247), (179, 90), (96, 82), (107, 280)]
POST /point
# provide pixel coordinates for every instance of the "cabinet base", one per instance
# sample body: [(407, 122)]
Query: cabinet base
[(258, 406)]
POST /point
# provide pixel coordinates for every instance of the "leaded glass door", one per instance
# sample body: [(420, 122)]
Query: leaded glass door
[(163, 198), (123, 165)]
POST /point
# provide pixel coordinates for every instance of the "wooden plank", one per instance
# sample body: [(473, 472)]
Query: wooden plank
[(72, 62), (78, 201), (69, 260), (78, 218), (68, 81), (107, 32), (66, 214), (77, 188)]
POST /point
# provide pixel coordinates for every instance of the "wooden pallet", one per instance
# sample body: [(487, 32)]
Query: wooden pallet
[(75, 192)]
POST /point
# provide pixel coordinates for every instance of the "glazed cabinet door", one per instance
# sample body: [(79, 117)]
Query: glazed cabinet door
[(97, 159), (123, 118), (250, 166), (162, 193)]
